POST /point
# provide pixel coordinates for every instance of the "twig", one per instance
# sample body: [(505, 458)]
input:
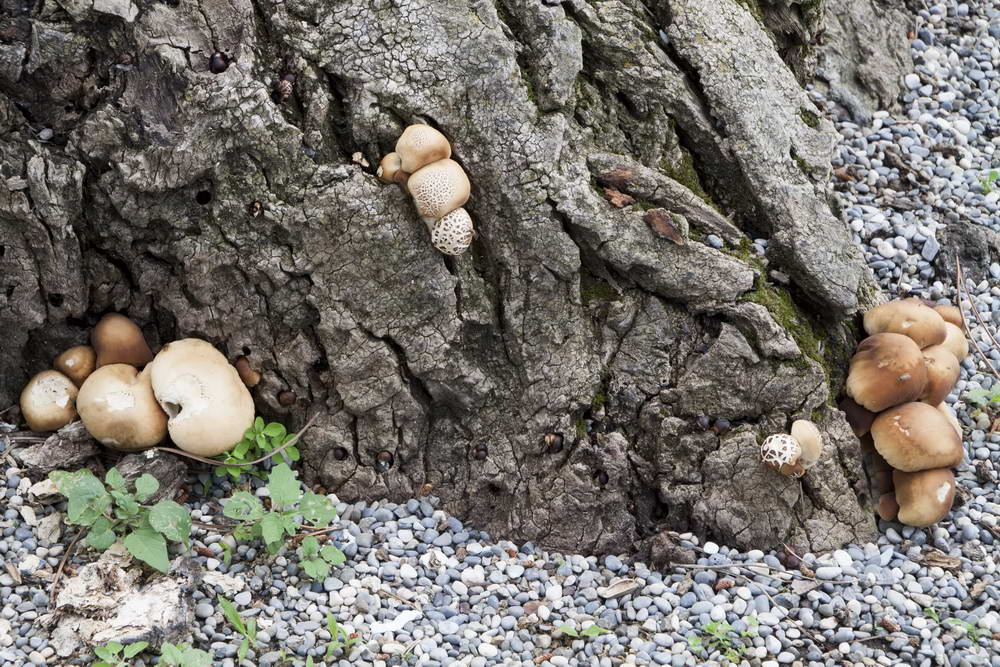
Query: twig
[(960, 280), (213, 462), (762, 574), (62, 564)]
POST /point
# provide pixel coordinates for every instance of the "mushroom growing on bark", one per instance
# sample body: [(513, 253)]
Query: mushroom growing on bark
[(810, 440), (118, 340), (419, 145), (48, 401), (208, 407), (916, 436), (439, 188), (909, 317), (924, 497), (886, 370), (942, 373), (76, 363), (453, 233), (792, 455), (390, 170), (117, 406)]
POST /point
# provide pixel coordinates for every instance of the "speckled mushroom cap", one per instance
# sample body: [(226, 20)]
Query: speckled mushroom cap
[(453, 233), (118, 340), (810, 440), (76, 363), (117, 406), (916, 436), (48, 401), (782, 452), (942, 373), (887, 369), (955, 341), (439, 188), (859, 418), (419, 145), (950, 314), (910, 317), (390, 170), (924, 497)]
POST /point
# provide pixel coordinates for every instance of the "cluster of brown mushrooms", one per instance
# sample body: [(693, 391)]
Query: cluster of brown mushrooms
[(129, 400), (899, 378), (422, 165)]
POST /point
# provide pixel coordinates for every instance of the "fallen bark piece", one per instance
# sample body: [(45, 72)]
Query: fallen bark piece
[(169, 470), (66, 449)]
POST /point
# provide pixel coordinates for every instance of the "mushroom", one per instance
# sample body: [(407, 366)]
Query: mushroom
[(951, 314), (117, 406), (439, 188), (419, 145), (453, 233), (858, 417), (118, 340), (76, 363), (944, 409), (916, 436), (910, 317), (955, 341), (47, 401), (942, 373), (886, 370), (888, 508), (208, 407), (924, 497), (390, 170), (810, 441), (248, 375), (782, 452)]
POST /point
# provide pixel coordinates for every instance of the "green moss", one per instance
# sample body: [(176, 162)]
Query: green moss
[(809, 118), (683, 172), (581, 428), (753, 7), (593, 290), (599, 400)]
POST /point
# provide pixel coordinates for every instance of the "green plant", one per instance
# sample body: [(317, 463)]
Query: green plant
[(988, 181), (287, 504), (183, 655), (258, 440), (107, 513), (982, 397), (932, 614), (588, 632), (109, 653), (722, 637), (316, 560), (248, 629), (339, 639), (972, 631)]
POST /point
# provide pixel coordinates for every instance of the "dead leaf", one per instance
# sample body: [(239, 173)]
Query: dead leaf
[(723, 584), (889, 624), (14, 573), (662, 224), (543, 657), (426, 489), (619, 199), (617, 178), (935, 558), (978, 589), (806, 570)]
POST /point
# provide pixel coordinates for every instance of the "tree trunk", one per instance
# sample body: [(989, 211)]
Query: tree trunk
[(134, 178)]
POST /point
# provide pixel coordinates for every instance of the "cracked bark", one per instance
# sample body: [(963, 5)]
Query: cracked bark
[(201, 205)]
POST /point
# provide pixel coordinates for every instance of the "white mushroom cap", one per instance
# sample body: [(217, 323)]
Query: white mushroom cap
[(942, 373), (76, 363), (118, 340), (887, 369), (924, 497), (48, 401), (419, 145), (909, 317), (810, 440), (117, 406), (207, 405), (453, 233), (781, 452), (390, 170), (439, 188), (956, 342)]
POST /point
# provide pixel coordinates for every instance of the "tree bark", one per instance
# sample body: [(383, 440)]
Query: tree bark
[(135, 179)]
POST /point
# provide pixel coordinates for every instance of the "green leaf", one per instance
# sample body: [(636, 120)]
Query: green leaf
[(332, 555), (233, 616), (125, 504), (593, 630), (292, 453), (239, 451), (275, 430), (109, 652), (85, 493), (567, 630), (145, 486), (258, 425), (170, 519), (241, 654), (283, 486), (101, 536), (261, 441), (272, 528), (309, 547), (102, 664), (114, 479), (316, 568), (227, 553), (317, 509), (135, 649), (309, 661), (148, 546), (252, 629), (243, 506)]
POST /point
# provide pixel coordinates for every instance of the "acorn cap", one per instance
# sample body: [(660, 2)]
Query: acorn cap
[(916, 436), (810, 441), (439, 188), (955, 341), (886, 370), (208, 407), (118, 340), (76, 363), (859, 418), (942, 373), (419, 145), (118, 408), (48, 401), (924, 497), (910, 317), (951, 314)]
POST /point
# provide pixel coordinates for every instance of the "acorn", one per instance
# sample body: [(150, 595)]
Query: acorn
[(218, 63)]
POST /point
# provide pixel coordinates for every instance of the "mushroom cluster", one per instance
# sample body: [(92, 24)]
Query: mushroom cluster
[(898, 380), (422, 165), (130, 400), (793, 454)]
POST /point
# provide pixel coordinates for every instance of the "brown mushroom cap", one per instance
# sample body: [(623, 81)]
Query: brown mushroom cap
[(924, 497), (76, 363), (810, 440), (952, 419), (942, 373), (888, 508), (208, 407), (916, 436), (250, 377), (910, 317), (390, 170), (951, 314), (956, 342), (48, 401), (117, 406), (439, 188), (886, 370), (419, 145), (858, 417), (118, 340)]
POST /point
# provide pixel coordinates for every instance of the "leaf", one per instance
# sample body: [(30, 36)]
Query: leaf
[(148, 546), (171, 654), (332, 555), (317, 509), (663, 225), (272, 528), (567, 630), (283, 486), (100, 536), (135, 649), (239, 451), (316, 568), (85, 493), (108, 652), (241, 654), (309, 661), (125, 504), (292, 453), (252, 629), (258, 425), (243, 506), (171, 520), (275, 430), (309, 547), (145, 486), (594, 630), (233, 616), (114, 479), (261, 441)]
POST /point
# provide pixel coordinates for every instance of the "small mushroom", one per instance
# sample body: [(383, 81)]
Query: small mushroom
[(924, 497), (419, 145), (118, 340), (956, 342), (208, 407), (250, 377), (390, 170), (76, 363), (910, 317), (888, 508), (453, 233), (942, 373), (916, 436), (886, 370), (439, 188), (782, 453), (858, 417), (810, 441), (286, 398), (119, 410), (47, 401), (951, 314)]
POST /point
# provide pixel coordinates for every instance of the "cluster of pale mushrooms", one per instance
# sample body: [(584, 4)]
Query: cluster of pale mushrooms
[(899, 378), (422, 165), (129, 399)]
